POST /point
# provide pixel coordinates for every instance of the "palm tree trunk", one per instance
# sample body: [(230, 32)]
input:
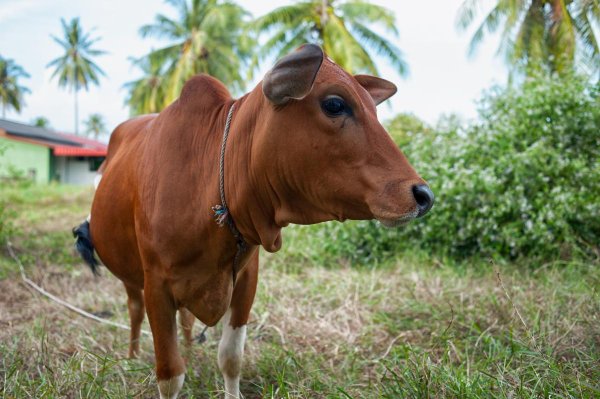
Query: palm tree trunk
[(76, 89), (3, 111), (557, 11)]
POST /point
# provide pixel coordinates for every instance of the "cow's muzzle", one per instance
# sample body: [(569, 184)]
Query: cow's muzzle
[(424, 197), (404, 202)]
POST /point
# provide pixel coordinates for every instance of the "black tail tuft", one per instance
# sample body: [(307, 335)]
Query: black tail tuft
[(84, 246)]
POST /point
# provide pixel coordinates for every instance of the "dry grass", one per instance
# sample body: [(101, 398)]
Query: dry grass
[(412, 329)]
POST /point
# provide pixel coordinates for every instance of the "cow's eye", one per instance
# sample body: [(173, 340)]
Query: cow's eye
[(335, 106)]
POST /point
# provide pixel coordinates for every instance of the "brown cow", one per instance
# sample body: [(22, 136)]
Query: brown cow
[(305, 147)]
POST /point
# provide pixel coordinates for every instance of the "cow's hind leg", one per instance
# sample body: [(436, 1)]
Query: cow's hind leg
[(231, 346), (170, 368), (135, 304), (186, 321)]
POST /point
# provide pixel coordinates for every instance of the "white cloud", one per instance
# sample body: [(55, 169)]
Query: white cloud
[(15, 9)]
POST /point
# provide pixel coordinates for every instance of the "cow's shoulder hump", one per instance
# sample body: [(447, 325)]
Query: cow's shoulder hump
[(203, 92)]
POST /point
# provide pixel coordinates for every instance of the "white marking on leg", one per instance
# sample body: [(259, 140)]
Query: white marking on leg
[(169, 389), (231, 350)]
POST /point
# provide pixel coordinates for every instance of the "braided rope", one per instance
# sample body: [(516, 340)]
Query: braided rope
[(222, 215), (222, 159)]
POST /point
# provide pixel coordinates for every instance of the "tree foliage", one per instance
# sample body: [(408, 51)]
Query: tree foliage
[(147, 94), (539, 34), (11, 91), (95, 126), (41, 121), (521, 182), (208, 36), (345, 30), (404, 126)]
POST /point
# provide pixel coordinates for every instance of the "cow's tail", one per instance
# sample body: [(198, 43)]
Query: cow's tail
[(83, 236), (83, 244)]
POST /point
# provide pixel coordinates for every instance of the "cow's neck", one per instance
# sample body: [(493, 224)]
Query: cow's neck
[(249, 196)]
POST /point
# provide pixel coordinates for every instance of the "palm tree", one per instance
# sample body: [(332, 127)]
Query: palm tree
[(342, 28), (11, 92), (207, 37), (95, 125), (146, 95), (539, 34), (41, 121), (75, 69)]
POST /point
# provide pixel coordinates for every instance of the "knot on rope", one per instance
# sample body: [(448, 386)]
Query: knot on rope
[(221, 214)]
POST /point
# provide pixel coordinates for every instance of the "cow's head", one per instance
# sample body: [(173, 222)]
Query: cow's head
[(328, 156)]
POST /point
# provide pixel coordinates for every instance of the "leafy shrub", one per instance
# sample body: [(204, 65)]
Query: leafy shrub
[(14, 177), (404, 126), (524, 181), (332, 243)]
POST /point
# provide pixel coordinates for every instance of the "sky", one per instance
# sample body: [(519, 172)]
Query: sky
[(442, 78)]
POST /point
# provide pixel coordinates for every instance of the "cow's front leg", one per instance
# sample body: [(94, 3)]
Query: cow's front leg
[(161, 309), (231, 351), (231, 346)]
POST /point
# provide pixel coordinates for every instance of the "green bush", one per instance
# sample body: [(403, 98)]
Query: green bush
[(524, 181), (334, 243), (405, 126)]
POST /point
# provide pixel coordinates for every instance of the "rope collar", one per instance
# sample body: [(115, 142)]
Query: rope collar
[(221, 213)]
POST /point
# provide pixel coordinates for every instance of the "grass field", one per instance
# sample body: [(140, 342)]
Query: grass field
[(417, 328)]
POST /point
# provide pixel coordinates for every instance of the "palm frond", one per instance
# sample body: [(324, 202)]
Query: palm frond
[(367, 13), (490, 24), (344, 31), (206, 37), (163, 27), (286, 16), (11, 92), (536, 34), (382, 47), (345, 49)]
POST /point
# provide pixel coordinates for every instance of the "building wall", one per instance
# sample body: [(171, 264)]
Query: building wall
[(32, 160), (74, 170)]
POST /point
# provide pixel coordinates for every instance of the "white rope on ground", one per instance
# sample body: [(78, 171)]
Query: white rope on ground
[(60, 301)]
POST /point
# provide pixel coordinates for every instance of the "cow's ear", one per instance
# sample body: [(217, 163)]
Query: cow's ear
[(379, 89), (293, 76)]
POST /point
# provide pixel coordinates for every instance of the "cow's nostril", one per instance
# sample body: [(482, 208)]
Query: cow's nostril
[(424, 197)]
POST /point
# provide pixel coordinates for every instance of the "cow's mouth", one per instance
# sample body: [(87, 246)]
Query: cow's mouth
[(398, 221)]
